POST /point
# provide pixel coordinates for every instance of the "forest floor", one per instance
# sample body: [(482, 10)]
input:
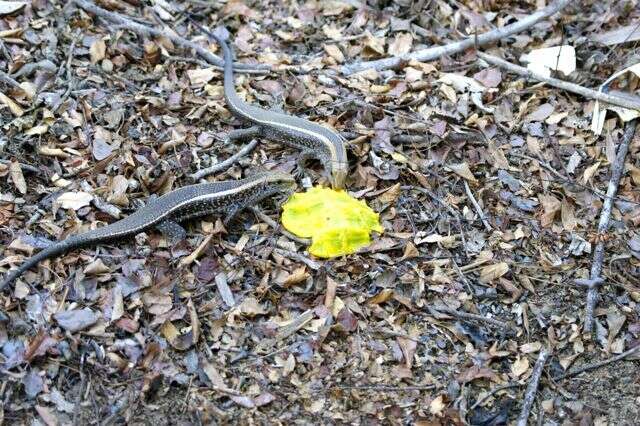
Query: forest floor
[(490, 186)]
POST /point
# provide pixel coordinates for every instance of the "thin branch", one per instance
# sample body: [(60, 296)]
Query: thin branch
[(272, 223), (384, 388), (598, 364), (532, 389), (631, 102), (493, 392), (312, 264), (145, 30), (562, 376), (438, 51), (223, 165), (617, 168), (474, 317), (476, 206)]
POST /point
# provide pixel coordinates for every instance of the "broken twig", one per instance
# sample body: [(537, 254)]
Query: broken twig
[(438, 51), (474, 317), (272, 223), (476, 206), (532, 389), (594, 281), (627, 102), (223, 165)]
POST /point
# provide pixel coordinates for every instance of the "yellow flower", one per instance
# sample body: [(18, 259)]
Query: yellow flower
[(337, 223)]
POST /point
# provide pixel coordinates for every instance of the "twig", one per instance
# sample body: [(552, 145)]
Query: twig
[(475, 317), (438, 51), (25, 167), (561, 376), (493, 392), (597, 364), (631, 102), (617, 168), (383, 388), (223, 165), (530, 393), (476, 206), (126, 22), (446, 206), (272, 223), (299, 257)]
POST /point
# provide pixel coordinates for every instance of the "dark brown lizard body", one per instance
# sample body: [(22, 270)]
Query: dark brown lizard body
[(224, 198)]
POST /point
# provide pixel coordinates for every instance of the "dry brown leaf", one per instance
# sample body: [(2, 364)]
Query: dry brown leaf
[(520, 366), (13, 107), (390, 195), (334, 52), (437, 406), (298, 276), (567, 213), (17, 177), (492, 272), (589, 172), (463, 171), (381, 297), (401, 44), (532, 347), (551, 206), (97, 51)]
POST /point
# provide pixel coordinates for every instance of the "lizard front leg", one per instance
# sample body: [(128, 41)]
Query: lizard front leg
[(172, 231)]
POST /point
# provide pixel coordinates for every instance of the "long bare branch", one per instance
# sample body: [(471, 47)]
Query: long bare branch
[(438, 51)]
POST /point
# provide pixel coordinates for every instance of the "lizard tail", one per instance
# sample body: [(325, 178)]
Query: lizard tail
[(53, 250)]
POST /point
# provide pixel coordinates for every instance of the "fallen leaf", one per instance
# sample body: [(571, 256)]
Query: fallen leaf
[(17, 177), (74, 200), (97, 51), (463, 171), (520, 366), (76, 320), (10, 7), (492, 272), (13, 107)]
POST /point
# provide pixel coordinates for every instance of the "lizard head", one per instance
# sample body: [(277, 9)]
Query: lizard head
[(339, 173)]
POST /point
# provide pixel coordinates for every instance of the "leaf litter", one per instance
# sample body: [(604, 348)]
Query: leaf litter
[(241, 322)]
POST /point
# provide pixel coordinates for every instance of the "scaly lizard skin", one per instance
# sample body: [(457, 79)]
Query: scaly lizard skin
[(224, 198), (315, 140)]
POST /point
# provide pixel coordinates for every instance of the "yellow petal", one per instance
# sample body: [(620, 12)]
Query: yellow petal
[(337, 223)]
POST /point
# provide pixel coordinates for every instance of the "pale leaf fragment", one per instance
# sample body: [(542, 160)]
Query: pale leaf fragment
[(600, 111), (520, 366), (17, 177), (97, 51), (558, 58), (13, 107), (463, 171), (492, 272), (74, 200), (9, 7)]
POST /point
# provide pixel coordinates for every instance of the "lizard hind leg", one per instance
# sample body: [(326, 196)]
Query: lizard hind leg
[(243, 134), (172, 231)]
